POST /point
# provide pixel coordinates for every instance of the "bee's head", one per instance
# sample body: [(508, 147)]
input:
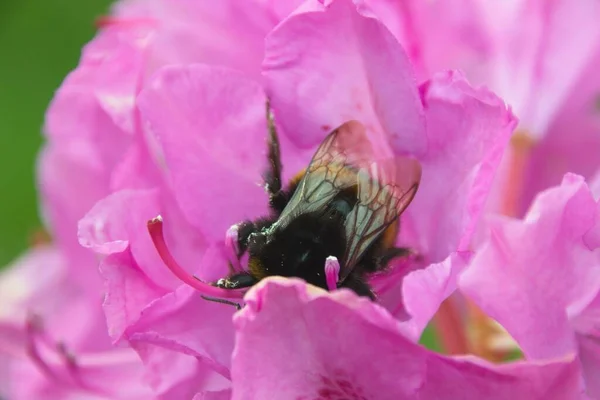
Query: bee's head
[(298, 249)]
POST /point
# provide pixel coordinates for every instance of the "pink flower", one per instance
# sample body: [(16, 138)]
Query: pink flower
[(541, 57), (459, 120), (540, 277), (210, 130), (96, 145), (165, 115), (53, 342), (347, 347)]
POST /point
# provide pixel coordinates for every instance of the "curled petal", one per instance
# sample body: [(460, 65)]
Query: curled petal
[(366, 76), (547, 246), (215, 159), (322, 346)]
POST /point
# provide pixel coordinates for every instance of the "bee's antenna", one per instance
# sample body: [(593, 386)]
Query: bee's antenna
[(332, 272), (222, 301)]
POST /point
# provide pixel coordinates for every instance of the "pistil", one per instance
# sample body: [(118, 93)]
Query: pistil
[(155, 228)]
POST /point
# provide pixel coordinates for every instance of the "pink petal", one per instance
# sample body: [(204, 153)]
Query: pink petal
[(522, 50), (128, 292), (440, 35), (533, 276), (424, 290), (221, 395), (71, 180), (174, 375), (32, 282), (322, 346), (589, 355), (222, 150), (346, 65), (110, 374), (96, 101), (571, 139), (467, 132), (140, 167), (180, 39), (595, 185), (120, 220), (40, 283), (183, 321), (536, 62)]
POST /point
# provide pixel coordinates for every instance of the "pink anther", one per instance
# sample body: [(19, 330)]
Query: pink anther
[(232, 248), (332, 272)]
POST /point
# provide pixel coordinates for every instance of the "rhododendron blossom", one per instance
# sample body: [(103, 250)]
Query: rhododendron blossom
[(157, 149), (540, 56), (53, 336), (547, 295)]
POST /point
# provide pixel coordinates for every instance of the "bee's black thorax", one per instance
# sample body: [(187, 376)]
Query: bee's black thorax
[(295, 240), (300, 248)]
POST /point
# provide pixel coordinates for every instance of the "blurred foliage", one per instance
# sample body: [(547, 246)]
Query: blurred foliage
[(41, 42), (430, 340)]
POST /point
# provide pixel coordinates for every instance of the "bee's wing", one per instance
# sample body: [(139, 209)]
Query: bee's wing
[(386, 186), (331, 170)]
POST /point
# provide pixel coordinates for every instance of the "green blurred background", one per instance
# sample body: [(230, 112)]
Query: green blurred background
[(40, 42)]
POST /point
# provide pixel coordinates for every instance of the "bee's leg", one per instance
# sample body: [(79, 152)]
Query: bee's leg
[(223, 301), (237, 236), (393, 252), (237, 281), (277, 197), (358, 286)]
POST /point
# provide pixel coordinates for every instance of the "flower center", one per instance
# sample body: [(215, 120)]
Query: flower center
[(336, 389)]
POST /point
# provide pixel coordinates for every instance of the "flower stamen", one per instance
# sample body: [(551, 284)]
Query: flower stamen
[(36, 335), (232, 248), (332, 272), (483, 330), (33, 329), (450, 328), (155, 228), (521, 145)]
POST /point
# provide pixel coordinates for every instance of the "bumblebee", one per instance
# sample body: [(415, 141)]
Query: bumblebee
[(343, 208)]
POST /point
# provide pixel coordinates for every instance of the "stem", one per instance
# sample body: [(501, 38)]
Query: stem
[(482, 336), (521, 146), (483, 331), (449, 326), (155, 228)]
